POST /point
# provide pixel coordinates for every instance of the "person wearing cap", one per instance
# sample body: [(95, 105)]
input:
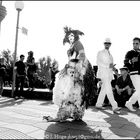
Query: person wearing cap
[(124, 87), (132, 62), (105, 74)]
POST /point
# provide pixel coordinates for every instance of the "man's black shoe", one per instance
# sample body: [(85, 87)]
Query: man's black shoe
[(16, 97), (100, 107), (21, 97)]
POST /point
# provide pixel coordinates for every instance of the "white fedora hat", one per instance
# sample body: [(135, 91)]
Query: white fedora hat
[(107, 40)]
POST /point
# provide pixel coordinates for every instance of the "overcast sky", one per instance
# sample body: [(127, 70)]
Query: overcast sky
[(118, 20)]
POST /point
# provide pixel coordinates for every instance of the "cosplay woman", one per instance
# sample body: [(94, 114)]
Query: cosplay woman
[(75, 84)]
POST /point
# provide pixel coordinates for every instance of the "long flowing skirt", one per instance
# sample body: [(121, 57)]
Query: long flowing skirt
[(67, 94), (70, 110), (73, 99)]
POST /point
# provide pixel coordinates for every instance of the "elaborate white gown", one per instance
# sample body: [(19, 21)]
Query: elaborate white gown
[(67, 94)]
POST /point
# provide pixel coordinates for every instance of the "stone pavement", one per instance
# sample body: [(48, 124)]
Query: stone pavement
[(22, 119)]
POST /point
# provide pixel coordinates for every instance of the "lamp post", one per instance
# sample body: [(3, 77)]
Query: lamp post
[(19, 5)]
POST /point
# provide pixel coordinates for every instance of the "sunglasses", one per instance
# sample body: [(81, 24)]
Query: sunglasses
[(135, 43), (107, 43)]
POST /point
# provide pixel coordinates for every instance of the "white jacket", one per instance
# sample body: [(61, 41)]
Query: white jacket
[(104, 59)]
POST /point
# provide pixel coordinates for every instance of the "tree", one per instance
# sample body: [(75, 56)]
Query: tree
[(8, 56), (44, 69)]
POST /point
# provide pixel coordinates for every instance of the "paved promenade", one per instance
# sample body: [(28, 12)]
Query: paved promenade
[(22, 119)]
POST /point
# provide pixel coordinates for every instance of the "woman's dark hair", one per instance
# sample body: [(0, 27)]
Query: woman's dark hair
[(68, 31), (30, 53)]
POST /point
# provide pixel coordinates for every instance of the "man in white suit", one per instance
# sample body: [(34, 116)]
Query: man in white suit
[(105, 74)]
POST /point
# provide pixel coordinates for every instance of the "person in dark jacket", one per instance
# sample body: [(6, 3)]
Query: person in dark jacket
[(124, 87), (132, 62)]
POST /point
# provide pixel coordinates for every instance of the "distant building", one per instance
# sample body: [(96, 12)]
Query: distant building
[(3, 12)]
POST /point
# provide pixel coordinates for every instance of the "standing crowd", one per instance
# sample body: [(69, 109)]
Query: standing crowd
[(24, 71)]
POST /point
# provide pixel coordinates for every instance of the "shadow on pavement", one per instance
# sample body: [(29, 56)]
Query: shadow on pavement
[(47, 103), (4, 102), (93, 109), (114, 120), (71, 130)]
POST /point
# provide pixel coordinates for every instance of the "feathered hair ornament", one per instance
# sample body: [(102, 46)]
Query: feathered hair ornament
[(67, 31)]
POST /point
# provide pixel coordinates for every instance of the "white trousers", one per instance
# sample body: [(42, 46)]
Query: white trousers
[(136, 95), (106, 89)]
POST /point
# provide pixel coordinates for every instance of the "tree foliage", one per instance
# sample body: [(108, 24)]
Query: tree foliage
[(44, 65), (8, 56)]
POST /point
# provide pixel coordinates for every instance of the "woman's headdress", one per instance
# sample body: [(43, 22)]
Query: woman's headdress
[(68, 30)]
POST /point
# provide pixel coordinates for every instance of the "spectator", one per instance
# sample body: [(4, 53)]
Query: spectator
[(9, 75), (54, 71), (2, 74), (30, 56), (20, 76), (132, 62), (124, 87), (113, 82), (31, 70)]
